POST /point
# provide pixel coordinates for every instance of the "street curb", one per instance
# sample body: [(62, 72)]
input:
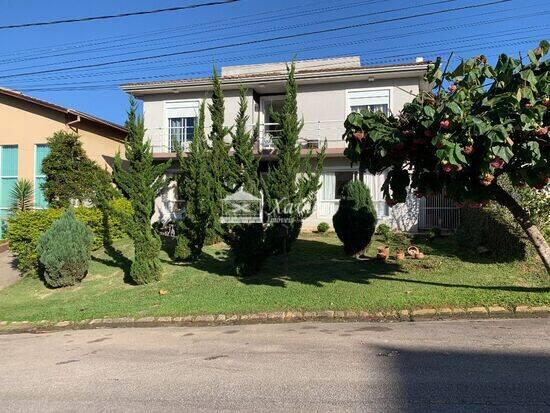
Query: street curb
[(447, 313)]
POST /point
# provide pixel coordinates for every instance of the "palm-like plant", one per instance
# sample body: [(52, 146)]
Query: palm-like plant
[(22, 196)]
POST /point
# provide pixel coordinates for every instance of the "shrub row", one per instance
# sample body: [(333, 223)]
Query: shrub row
[(25, 228)]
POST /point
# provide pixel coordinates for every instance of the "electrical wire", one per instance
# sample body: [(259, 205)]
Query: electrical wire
[(117, 16), (259, 41)]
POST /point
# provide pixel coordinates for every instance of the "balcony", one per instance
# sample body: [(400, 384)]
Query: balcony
[(313, 135)]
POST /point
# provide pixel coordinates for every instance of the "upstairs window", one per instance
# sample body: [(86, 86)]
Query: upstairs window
[(373, 100), (181, 130), (181, 118)]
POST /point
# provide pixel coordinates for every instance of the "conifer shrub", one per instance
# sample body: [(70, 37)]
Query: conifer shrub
[(322, 227), (141, 180), (355, 220), (25, 228), (249, 248), (384, 231), (182, 252), (64, 251), (72, 177)]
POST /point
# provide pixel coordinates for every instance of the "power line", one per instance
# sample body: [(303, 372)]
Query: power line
[(117, 16), (45, 52), (497, 34), (275, 29), (155, 66), (378, 60), (185, 52)]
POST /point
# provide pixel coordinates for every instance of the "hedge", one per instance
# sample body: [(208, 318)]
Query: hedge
[(25, 228)]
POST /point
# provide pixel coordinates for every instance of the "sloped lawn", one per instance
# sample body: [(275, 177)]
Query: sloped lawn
[(315, 276)]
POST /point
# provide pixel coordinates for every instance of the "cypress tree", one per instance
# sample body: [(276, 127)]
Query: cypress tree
[(196, 190), (247, 240), (292, 181), (221, 164), (141, 181), (245, 162)]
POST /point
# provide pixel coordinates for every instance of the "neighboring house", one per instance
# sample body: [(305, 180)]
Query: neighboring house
[(328, 90), (25, 125)]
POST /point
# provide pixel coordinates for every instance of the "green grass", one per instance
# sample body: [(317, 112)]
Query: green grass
[(315, 276)]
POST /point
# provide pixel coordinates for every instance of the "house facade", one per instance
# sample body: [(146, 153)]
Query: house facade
[(328, 90), (25, 125)]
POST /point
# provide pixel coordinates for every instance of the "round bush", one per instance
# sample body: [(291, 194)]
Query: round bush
[(355, 220), (64, 251), (384, 231), (323, 227)]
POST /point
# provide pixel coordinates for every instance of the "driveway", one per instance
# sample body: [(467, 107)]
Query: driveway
[(441, 366), (8, 272)]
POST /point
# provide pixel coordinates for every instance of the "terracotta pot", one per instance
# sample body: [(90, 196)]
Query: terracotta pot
[(400, 256), (383, 253), (419, 256), (412, 251)]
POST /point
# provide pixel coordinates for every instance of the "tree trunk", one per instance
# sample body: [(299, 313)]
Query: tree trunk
[(523, 219)]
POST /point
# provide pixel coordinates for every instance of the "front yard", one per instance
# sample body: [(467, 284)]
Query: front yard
[(315, 276)]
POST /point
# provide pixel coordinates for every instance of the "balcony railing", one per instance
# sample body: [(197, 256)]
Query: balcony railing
[(313, 134)]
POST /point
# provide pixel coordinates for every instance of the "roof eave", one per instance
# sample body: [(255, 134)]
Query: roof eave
[(61, 109), (200, 84)]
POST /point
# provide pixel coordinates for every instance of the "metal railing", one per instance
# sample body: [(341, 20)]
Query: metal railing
[(437, 211), (313, 134)]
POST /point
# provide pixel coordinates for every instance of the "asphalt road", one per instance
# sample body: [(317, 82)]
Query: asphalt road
[(439, 366)]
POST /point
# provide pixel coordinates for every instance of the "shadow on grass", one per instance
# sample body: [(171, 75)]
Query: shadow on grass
[(117, 260), (446, 246), (316, 262)]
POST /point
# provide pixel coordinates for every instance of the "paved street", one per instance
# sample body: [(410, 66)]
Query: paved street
[(452, 366)]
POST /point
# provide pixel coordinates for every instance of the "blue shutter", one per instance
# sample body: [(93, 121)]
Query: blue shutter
[(41, 152), (8, 178)]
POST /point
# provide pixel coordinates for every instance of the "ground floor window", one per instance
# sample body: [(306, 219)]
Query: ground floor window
[(332, 183)]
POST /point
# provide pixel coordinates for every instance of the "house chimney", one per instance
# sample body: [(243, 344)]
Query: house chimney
[(419, 59)]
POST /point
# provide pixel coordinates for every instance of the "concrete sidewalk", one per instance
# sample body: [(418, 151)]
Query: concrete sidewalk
[(8, 272)]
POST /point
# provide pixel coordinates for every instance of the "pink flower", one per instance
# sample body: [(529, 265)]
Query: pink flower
[(497, 163)]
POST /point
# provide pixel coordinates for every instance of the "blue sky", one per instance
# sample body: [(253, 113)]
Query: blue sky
[(509, 27)]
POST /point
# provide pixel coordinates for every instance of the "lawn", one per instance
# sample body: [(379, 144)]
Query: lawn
[(316, 275)]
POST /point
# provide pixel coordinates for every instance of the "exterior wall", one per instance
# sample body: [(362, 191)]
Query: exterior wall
[(26, 125), (402, 217), (155, 118), (324, 107)]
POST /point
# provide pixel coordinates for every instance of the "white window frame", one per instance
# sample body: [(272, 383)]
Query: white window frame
[(376, 198), (365, 98), (180, 108)]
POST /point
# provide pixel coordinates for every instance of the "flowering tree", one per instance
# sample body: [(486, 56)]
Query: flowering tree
[(490, 121)]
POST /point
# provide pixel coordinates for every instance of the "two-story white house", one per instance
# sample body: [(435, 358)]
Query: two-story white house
[(328, 90)]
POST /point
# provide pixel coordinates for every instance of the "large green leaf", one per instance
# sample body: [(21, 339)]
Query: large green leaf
[(454, 108), (503, 152), (429, 111)]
